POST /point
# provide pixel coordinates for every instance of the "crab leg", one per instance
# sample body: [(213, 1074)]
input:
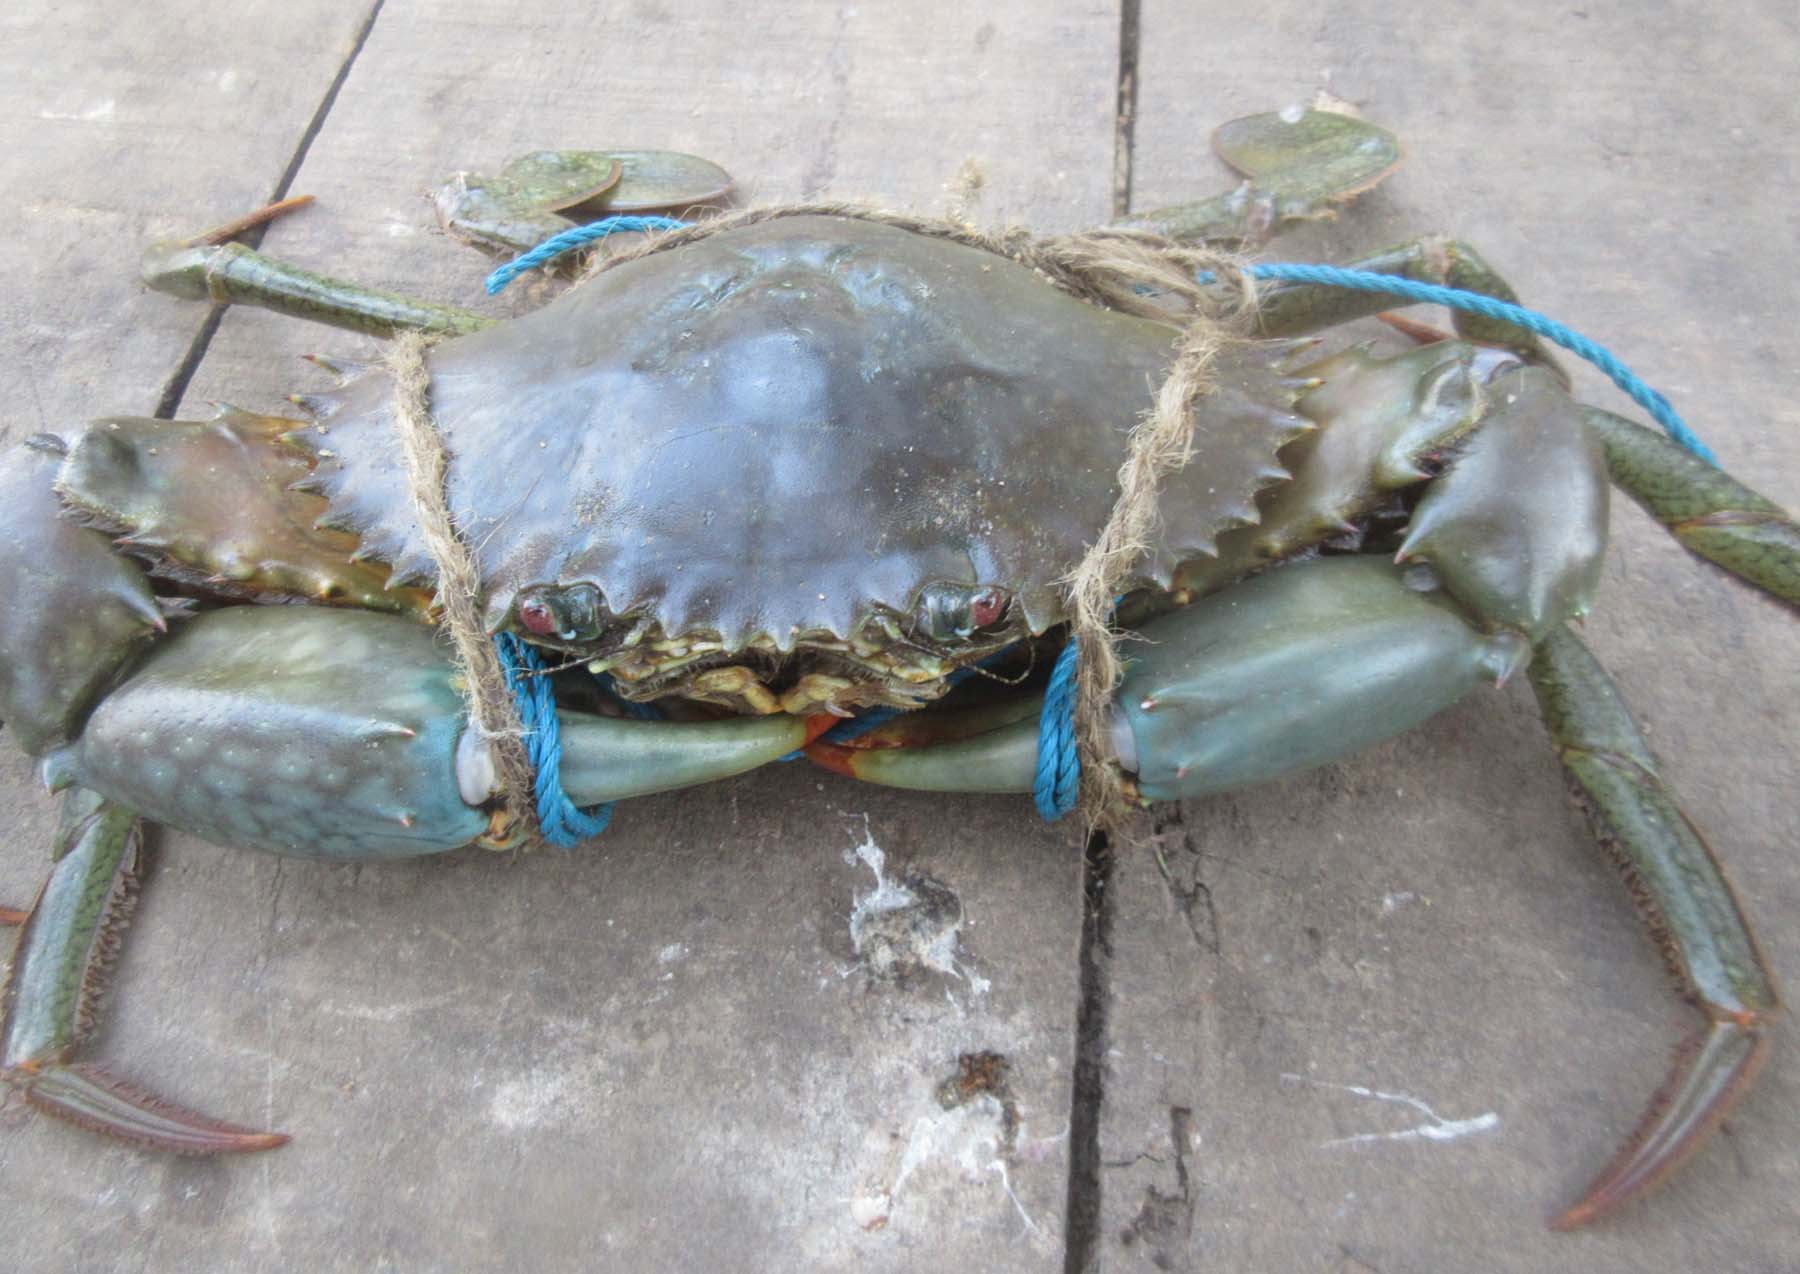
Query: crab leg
[(232, 274), (1297, 166), (1290, 309), (533, 197), (543, 193), (1713, 514), (298, 730), (65, 951), (1693, 917)]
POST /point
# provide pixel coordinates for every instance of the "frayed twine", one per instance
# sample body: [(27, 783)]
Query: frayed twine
[(491, 707)]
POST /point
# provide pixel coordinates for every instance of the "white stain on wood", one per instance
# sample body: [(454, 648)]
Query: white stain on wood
[(1436, 1127)]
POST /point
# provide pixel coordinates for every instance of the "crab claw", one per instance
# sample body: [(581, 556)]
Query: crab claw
[(609, 759), (343, 734), (96, 1099), (1291, 670), (1713, 1068)]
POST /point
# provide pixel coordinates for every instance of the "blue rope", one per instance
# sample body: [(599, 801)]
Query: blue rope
[(564, 824), (569, 240), (1058, 783), (1475, 303)]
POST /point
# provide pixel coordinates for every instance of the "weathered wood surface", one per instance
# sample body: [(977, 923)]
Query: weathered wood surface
[(659, 1052), (1432, 918)]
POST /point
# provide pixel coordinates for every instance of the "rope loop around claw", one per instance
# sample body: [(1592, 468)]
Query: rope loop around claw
[(492, 710)]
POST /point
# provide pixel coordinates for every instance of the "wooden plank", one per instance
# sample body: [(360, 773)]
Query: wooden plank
[(118, 124), (1431, 918), (659, 1052)]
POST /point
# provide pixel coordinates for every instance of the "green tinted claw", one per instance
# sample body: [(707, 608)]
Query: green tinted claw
[(545, 192), (609, 759), (1295, 668), (1692, 914), (1299, 165), (342, 734), (295, 729), (65, 951), (1003, 759)]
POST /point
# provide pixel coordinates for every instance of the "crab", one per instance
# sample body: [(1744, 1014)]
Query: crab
[(798, 470)]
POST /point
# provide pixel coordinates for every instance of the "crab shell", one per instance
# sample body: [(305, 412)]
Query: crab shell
[(775, 438)]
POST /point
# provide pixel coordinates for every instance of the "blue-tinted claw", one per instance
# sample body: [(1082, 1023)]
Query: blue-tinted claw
[(342, 734), (1300, 666)]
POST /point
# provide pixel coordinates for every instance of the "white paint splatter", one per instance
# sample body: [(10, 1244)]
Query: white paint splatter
[(870, 1211), (999, 1166), (1437, 1129), (671, 953), (967, 1137), (890, 896), (95, 114)]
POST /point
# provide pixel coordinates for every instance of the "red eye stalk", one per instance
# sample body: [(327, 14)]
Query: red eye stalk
[(988, 609), (537, 616)]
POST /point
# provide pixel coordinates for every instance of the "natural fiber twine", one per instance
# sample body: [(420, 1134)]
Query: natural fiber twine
[(491, 706), (1131, 271)]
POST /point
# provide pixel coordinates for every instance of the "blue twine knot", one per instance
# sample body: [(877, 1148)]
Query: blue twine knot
[(563, 823), (572, 238)]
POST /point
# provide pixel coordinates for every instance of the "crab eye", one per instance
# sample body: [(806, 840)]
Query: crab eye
[(537, 616), (987, 609), (956, 612)]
